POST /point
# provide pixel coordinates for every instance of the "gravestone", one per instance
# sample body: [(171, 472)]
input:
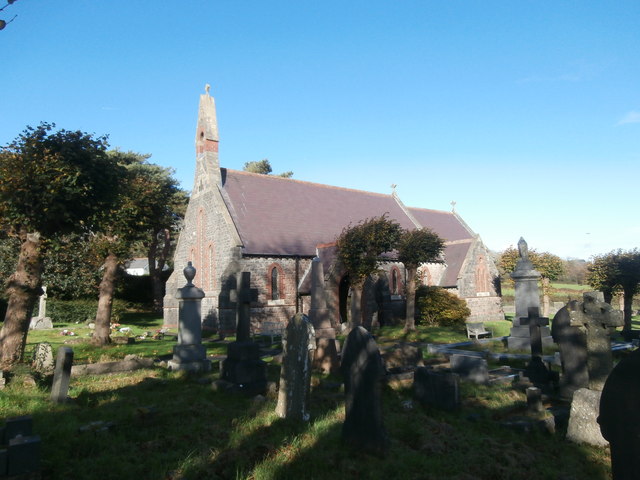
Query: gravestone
[(362, 371), (536, 370), (23, 455), (15, 426), (189, 354), (62, 375), (619, 416), (43, 361), (572, 342), (437, 389), (527, 295), (41, 322), (298, 344), (327, 346), (470, 367), (596, 319), (243, 366)]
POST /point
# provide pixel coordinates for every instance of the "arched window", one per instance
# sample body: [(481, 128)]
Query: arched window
[(275, 291)]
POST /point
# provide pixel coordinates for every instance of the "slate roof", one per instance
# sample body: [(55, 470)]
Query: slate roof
[(280, 216)]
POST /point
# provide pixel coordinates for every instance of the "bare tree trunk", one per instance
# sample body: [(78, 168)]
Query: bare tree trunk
[(410, 319), (356, 307), (23, 288), (157, 262), (105, 301)]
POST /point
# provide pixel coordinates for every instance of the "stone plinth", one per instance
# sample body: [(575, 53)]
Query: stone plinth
[(189, 354)]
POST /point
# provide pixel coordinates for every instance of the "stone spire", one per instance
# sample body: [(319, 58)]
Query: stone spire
[(207, 162)]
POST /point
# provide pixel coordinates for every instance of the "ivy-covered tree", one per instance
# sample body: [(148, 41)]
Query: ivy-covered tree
[(617, 271), (549, 266), (359, 249), (416, 247), (50, 183)]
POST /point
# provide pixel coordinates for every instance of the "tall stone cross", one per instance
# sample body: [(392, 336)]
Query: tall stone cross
[(597, 318), (245, 295), (535, 321)]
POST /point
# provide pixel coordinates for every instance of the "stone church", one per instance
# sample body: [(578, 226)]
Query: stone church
[(273, 227)]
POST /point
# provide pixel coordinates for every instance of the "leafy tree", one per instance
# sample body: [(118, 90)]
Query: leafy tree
[(264, 167), (549, 266), (50, 183), (416, 247), (359, 250), (149, 204), (616, 271), (164, 203)]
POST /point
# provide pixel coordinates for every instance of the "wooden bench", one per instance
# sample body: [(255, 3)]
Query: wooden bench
[(476, 330)]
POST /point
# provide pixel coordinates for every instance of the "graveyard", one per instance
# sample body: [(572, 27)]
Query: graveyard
[(151, 421)]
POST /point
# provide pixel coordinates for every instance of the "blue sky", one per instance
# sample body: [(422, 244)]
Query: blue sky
[(526, 113)]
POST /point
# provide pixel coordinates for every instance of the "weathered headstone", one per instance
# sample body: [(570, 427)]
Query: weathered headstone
[(470, 367), (41, 322), (15, 426), (596, 318), (403, 356), (298, 344), (572, 342), (189, 354), (362, 371), (43, 361), (62, 375), (326, 356), (583, 426), (527, 295), (23, 455), (437, 389), (243, 366), (619, 417)]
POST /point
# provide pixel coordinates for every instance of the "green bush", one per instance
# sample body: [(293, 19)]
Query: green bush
[(81, 311), (437, 306)]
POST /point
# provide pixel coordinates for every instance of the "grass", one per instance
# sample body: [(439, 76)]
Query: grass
[(169, 425)]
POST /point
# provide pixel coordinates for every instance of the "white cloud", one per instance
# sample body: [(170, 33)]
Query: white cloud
[(631, 117)]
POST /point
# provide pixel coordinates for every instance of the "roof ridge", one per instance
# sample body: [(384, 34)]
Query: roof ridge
[(276, 177)]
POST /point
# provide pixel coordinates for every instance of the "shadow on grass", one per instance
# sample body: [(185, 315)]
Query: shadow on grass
[(173, 426)]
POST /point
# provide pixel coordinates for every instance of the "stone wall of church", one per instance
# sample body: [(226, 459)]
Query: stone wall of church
[(274, 304)]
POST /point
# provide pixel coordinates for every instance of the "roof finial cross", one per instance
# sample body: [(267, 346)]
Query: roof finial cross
[(453, 206), (393, 188), (207, 87)]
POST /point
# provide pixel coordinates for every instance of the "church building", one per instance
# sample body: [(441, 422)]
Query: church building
[(273, 227)]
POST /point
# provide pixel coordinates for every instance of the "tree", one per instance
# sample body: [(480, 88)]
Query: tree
[(149, 203), (416, 247), (549, 266), (616, 271), (359, 249), (4, 23), (50, 183), (264, 167)]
